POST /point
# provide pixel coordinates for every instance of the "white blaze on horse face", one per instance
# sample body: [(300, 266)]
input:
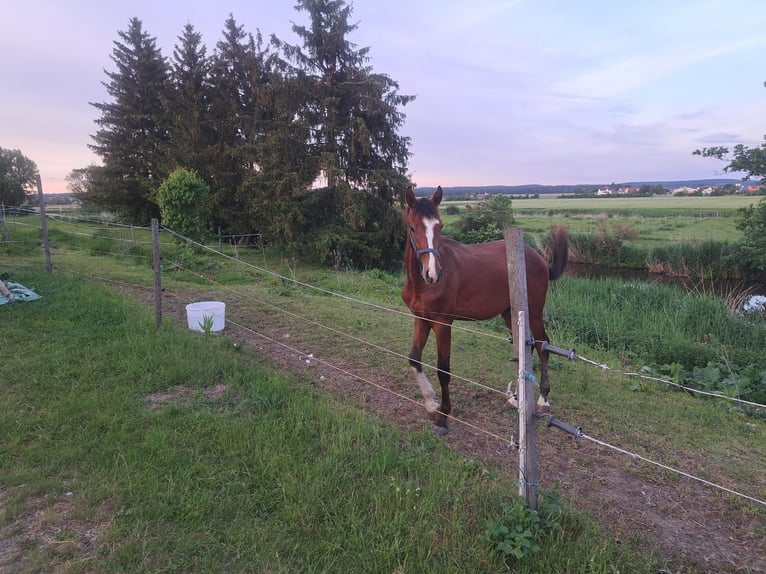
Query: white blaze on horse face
[(429, 396), (430, 272)]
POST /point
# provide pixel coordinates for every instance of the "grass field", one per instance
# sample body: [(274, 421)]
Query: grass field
[(638, 205), (131, 449), (653, 220), (128, 448)]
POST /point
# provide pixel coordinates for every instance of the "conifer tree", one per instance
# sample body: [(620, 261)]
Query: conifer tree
[(133, 130), (237, 79), (187, 105), (353, 112)]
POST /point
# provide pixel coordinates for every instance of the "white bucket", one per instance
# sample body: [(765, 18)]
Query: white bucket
[(196, 313)]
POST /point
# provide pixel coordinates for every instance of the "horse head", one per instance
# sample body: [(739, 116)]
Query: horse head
[(424, 225)]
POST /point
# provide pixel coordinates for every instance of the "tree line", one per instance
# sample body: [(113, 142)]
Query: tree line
[(297, 142)]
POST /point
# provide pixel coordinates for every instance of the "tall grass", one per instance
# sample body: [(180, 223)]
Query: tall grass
[(707, 259), (98, 475), (654, 324)]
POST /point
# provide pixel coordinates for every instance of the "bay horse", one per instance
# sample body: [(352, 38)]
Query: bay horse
[(448, 280)]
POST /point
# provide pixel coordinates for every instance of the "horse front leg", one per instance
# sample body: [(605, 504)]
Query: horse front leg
[(419, 339), (443, 334)]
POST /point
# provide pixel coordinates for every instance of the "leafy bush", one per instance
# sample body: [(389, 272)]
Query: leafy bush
[(352, 229), (752, 249), (486, 221), (185, 204)]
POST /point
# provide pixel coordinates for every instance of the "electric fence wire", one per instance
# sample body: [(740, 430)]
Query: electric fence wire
[(478, 429), (404, 397)]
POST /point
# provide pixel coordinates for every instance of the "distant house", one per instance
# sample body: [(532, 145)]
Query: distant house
[(604, 191), (707, 191), (684, 190)]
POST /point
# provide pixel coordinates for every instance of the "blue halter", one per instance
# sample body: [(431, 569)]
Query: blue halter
[(419, 252)]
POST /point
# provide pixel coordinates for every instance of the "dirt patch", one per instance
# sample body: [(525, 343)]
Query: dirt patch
[(182, 395), (49, 529), (697, 529)]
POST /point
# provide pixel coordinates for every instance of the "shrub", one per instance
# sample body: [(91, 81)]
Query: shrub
[(752, 249), (185, 204), (486, 221)]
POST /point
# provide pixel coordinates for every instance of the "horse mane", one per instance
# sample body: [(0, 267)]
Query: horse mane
[(426, 209)]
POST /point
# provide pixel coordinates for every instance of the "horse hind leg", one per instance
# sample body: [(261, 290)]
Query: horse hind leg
[(538, 330)]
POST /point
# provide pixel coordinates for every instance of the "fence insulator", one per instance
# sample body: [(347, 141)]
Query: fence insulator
[(568, 353), (574, 431)]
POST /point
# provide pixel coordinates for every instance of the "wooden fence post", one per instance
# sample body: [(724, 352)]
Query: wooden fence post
[(525, 388), (3, 228), (46, 241), (157, 270)]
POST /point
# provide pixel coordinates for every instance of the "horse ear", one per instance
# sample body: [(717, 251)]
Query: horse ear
[(409, 196), (437, 196)]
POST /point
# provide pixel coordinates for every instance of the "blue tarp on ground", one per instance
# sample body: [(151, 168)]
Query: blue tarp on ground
[(19, 292)]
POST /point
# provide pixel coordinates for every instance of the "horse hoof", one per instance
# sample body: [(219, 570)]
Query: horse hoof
[(542, 409), (513, 402), (440, 431)]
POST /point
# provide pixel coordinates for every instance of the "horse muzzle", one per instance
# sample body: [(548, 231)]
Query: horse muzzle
[(432, 271)]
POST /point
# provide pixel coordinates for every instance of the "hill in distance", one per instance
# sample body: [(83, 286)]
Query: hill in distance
[(534, 188)]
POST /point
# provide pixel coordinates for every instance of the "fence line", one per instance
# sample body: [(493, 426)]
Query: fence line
[(404, 397), (409, 315), (509, 442), (583, 435), (671, 469), (343, 333)]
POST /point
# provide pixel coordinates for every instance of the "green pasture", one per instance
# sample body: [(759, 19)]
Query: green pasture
[(269, 476), (275, 475), (649, 221)]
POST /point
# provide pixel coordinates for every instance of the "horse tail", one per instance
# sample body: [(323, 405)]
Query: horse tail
[(560, 246)]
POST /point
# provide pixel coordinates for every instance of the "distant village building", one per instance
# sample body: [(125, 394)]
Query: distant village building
[(684, 190)]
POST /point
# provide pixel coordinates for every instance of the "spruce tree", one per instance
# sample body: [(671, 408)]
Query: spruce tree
[(353, 112), (237, 81), (133, 130), (187, 106)]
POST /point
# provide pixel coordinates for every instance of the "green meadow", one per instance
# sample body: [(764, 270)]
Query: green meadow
[(132, 448)]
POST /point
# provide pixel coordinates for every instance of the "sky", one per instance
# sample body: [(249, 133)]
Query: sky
[(508, 92)]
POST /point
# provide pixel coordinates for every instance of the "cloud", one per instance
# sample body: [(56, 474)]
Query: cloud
[(721, 139)]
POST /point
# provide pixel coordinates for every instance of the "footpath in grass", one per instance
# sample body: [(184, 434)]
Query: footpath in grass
[(127, 448)]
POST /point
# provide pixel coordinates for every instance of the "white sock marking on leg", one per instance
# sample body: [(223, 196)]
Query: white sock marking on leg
[(429, 396)]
